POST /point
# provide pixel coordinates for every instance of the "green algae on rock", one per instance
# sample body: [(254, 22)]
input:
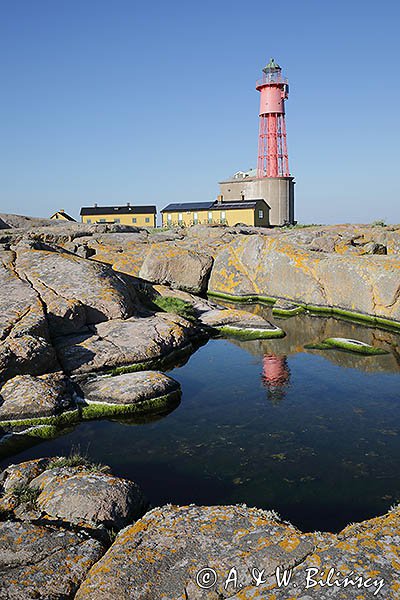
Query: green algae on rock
[(248, 333), (67, 418), (128, 394), (240, 324), (98, 410), (284, 308), (347, 315), (349, 345), (282, 265)]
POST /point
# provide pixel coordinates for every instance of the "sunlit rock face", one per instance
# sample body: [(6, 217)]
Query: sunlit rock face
[(284, 266), (234, 552)]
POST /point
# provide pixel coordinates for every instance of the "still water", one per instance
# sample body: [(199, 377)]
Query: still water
[(314, 435)]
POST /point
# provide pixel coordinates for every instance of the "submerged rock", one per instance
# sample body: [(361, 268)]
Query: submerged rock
[(43, 562)]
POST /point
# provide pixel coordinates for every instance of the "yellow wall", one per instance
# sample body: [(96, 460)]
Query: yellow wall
[(126, 219), (248, 216)]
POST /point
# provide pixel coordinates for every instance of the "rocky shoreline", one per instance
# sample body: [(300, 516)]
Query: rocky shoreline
[(89, 317), (79, 300)]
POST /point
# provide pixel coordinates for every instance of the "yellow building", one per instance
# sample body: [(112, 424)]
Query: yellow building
[(61, 215), (247, 212), (139, 216)]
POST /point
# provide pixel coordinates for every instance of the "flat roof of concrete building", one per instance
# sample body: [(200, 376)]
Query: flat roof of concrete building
[(245, 179)]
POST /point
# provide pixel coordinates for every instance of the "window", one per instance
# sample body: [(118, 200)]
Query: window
[(169, 218), (147, 220), (260, 214), (102, 220), (117, 220), (88, 220), (210, 217), (223, 216), (180, 217), (134, 220), (195, 218)]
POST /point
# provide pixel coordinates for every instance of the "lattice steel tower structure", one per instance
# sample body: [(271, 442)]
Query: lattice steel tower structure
[(272, 148)]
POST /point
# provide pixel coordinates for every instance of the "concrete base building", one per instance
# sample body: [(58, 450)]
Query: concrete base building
[(277, 193)]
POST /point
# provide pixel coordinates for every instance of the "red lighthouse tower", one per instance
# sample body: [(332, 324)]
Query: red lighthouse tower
[(272, 148)]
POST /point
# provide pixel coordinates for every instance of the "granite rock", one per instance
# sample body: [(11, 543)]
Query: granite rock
[(25, 345), (123, 342), (160, 555), (280, 267), (28, 396), (88, 498), (45, 563), (164, 555), (182, 268), (128, 388), (75, 291)]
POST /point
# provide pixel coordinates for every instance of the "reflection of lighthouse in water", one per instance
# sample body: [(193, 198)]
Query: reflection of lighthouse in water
[(276, 376)]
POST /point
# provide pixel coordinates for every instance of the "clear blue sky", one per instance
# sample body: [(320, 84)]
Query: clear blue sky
[(154, 102)]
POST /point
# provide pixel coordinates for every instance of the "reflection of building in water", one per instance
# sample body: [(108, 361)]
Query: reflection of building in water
[(276, 376)]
